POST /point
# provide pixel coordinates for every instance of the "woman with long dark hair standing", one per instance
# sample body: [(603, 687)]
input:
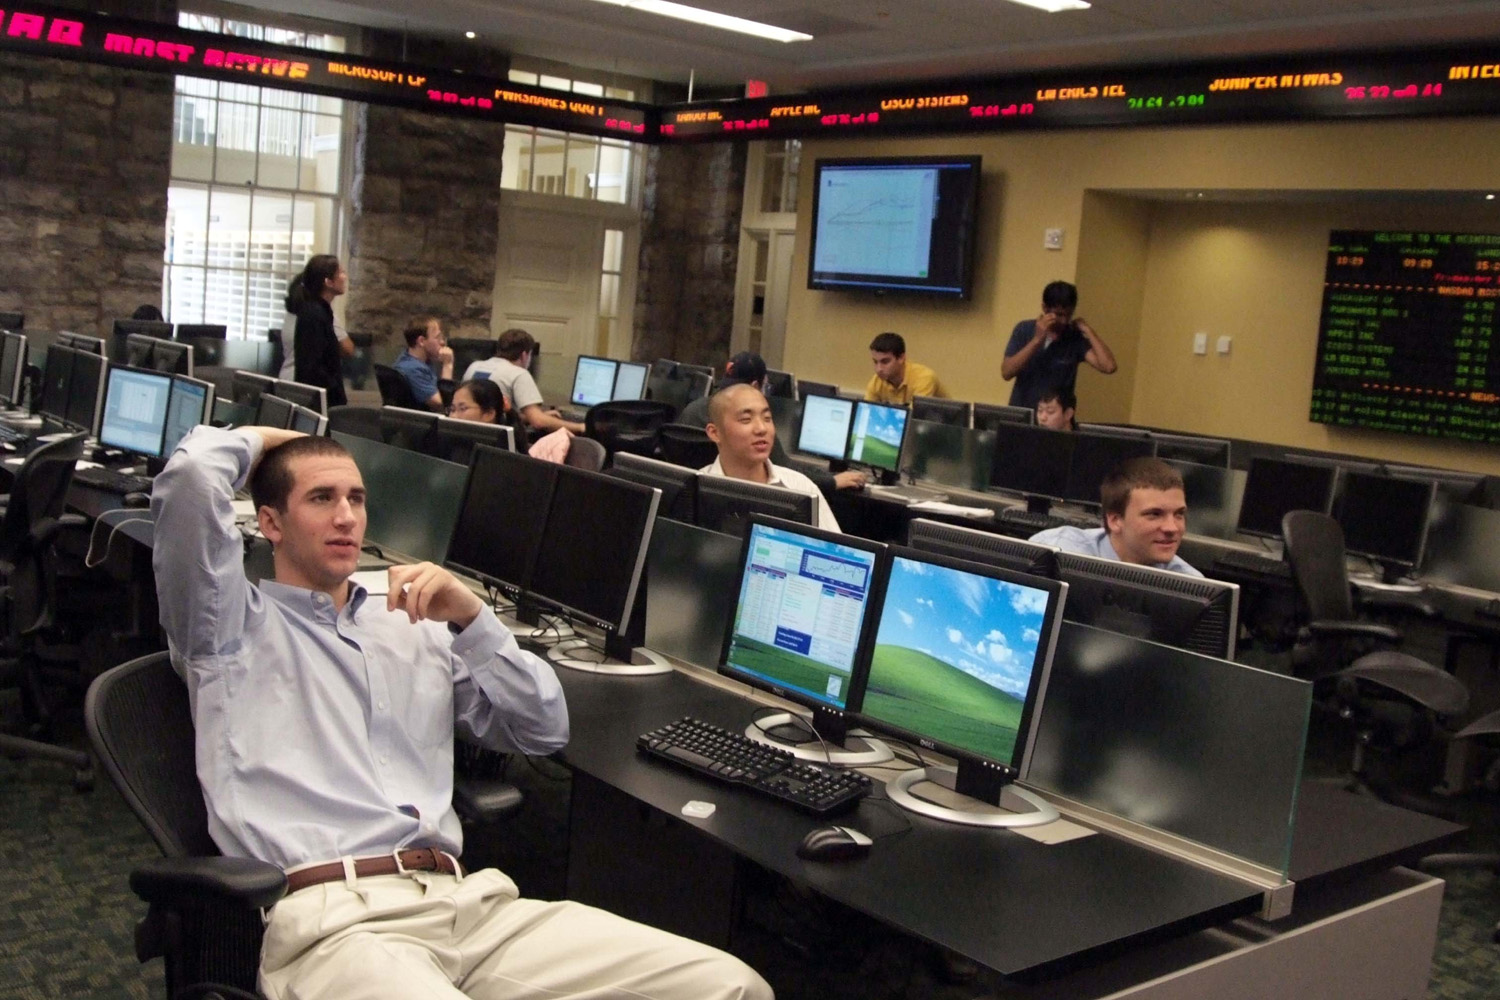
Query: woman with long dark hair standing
[(315, 344)]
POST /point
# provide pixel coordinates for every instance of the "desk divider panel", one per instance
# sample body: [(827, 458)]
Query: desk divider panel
[(952, 456), (1197, 747), (690, 591), (1461, 544), (1213, 498), (413, 499)]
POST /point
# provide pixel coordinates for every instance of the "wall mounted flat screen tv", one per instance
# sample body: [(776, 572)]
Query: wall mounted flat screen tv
[(895, 224)]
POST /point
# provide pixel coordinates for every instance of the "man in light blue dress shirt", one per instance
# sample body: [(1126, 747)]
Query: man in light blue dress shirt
[(1145, 515), (324, 722)]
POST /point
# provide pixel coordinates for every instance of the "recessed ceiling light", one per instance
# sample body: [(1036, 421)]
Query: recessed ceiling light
[(1054, 6), (714, 19), (469, 34)]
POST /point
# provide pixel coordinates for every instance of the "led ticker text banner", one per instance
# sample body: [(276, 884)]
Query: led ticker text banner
[(1460, 81), (165, 48), (1406, 334), (1466, 82)]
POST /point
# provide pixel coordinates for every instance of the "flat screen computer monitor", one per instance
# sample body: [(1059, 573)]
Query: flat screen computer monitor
[(678, 485), (501, 520), (986, 547), (1191, 448), (806, 387), (188, 332), (700, 384), (467, 350), (989, 416), (799, 623), (877, 435), (936, 410), (630, 380), (86, 390), (57, 379), (726, 504), (1385, 520), (124, 329), (1116, 430), (135, 410), (959, 663), (593, 549), (190, 403), (454, 440), (307, 421), (1274, 487), (1031, 460), (81, 342), (314, 397), (172, 358), (12, 321), (409, 429), (1094, 457), (824, 428), (246, 388), (593, 381), (665, 386), (273, 411), (781, 385), (139, 349), (12, 367), (1189, 612)]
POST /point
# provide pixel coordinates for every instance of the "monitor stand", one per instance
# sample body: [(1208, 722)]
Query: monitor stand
[(790, 732), (943, 794), (621, 659)]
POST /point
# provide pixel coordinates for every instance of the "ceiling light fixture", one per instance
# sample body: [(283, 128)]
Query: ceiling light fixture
[(714, 19), (1054, 6), (469, 34)]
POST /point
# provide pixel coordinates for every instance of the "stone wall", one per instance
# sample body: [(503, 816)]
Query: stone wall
[(84, 165), (424, 228), (690, 233)]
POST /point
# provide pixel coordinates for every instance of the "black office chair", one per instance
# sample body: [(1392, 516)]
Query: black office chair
[(686, 445), (1484, 730), (394, 389), (631, 425), (360, 421), (1391, 698), (586, 453), (33, 521), (203, 915)]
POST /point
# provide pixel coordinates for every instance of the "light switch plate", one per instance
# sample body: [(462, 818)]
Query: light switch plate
[(1052, 239), (1223, 344), (1200, 343)]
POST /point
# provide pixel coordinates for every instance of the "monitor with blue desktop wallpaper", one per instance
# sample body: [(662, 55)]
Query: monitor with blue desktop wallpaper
[(959, 663), (876, 436)]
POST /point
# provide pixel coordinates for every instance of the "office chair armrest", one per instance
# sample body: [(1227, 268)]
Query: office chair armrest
[(484, 800), (173, 882), (1329, 629), (1423, 683), (45, 531), (1411, 604)]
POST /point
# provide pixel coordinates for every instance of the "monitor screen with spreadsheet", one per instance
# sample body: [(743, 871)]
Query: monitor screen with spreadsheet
[(593, 381), (799, 624), (825, 424), (190, 403), (135, 410)]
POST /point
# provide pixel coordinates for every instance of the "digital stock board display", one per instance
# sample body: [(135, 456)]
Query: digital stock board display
[(1447, 82), (1406, 340)]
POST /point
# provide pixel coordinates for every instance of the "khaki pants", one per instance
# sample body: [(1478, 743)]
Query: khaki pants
[(426, 934)]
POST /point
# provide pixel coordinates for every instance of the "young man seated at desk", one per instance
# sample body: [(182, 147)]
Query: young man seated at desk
[(325, 722), (740, 424), (1056, 408), (898, 381), (1145, 515), (428, 360), (508, 369)]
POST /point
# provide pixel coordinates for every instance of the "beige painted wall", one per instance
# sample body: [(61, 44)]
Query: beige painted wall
[(1252, 268)]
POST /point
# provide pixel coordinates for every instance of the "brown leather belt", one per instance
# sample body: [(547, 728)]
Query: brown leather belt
[(417, 859)]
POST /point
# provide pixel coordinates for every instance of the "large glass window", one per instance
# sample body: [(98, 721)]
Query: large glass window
[(257, 188), (565, 163)]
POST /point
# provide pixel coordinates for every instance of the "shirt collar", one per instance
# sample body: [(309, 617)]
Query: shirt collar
[(773, 472), (313, 604)]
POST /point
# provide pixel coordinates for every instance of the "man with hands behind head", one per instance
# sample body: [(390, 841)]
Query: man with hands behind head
[(1044, 353), (324, 723)]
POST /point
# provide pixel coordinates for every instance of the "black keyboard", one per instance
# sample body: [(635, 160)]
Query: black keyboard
[(111, 481), (1252, 562), (1020, 518), (736, 759), (9, 435)]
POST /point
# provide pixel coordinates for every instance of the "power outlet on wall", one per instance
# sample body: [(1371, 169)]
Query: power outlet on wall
[(1200, 343), (1052, 239)]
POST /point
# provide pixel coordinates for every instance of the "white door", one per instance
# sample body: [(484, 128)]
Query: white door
[(763, 280), (547, 282)]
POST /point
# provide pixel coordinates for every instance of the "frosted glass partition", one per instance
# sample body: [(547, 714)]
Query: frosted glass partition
[(413, 499), (952, 456), (691, 586), (1197, 747), (1213, 498)]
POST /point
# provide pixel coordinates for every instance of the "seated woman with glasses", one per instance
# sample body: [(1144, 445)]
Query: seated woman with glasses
[(479, 399)]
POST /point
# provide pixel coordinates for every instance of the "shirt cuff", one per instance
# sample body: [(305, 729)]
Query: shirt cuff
[(483, 633)]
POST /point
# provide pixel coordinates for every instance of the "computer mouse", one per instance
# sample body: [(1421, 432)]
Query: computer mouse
[(834, 843), (133, 500)]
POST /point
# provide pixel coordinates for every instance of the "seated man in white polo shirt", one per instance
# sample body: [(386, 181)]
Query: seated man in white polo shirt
[(739, 422), (1145, 515)]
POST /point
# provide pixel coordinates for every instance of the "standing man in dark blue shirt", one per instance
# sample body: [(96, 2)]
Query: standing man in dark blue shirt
[(1044, 353)]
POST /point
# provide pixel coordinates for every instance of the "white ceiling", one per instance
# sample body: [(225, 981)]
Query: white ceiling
[(857, 41)]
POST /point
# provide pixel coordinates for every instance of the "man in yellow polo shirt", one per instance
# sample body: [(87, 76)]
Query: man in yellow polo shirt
[(897, 380)]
